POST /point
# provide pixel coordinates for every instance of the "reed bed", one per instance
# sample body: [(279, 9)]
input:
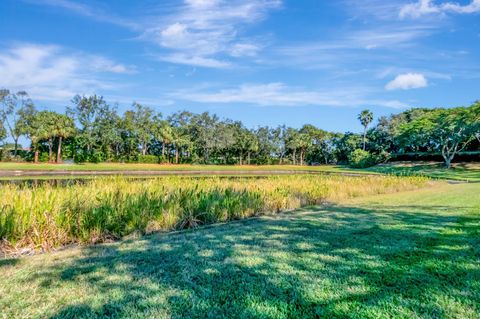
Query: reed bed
[(45, 217)]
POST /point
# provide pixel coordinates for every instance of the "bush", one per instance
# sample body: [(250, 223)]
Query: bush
[(148, 159), (361, 159)]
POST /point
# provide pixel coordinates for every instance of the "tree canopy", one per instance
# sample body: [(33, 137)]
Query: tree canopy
[(91, 130)]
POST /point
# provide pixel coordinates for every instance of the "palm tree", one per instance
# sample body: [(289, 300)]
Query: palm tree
[(63, 128), (365, 118)]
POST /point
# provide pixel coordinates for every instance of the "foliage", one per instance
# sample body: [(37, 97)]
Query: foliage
[(361, 159), (47, 216), (94, 131), (148, 159), (446, 130), (365, 118)]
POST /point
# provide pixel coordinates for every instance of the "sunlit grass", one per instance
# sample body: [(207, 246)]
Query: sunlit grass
[(46, 217), (459, 171)]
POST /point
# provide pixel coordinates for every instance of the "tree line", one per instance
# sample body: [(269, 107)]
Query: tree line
[(91, 130)]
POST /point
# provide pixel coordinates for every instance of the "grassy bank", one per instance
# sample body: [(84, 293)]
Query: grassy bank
[(108, 208), (404, 255), (459, 171)]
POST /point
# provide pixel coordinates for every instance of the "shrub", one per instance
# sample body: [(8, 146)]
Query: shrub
[(361, 159), (148, 159)]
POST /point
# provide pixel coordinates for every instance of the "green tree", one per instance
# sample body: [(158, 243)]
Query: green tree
[(447, 130), (365, 118), (39, 127), (63, 127), (85, 111), (143, 125), (163, 132), (13, 105), (292, 142)]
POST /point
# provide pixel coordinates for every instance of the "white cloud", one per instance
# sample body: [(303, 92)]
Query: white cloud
[(426, 7), (202, 3), (52, 73), (244, 49), (92, 12), (208, 31), (180, 58), (279, 94), (407, 81)]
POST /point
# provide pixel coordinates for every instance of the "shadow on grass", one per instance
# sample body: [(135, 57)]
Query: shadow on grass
[(332, 262), (8, 262), (460, 171)]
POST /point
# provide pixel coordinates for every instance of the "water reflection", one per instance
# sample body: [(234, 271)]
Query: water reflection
[(82, 180)]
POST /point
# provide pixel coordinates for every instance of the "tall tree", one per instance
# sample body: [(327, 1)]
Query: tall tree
[(365, 118), (13, 105), (85, 111), (292, 142), (63, 127), (143, 121)]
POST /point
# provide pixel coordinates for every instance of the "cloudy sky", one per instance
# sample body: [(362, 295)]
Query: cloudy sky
[(265, 62)]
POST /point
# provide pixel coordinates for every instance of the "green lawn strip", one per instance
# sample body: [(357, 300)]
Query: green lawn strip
[(461, 172), (406, 255)]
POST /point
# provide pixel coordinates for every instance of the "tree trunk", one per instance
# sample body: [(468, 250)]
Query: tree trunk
[(248, 158), (241, 158), (176, 155), (59, 150), (50, 150), (144, 149), (16, 147), (364, 137), (449, 154), (294, 156), (448, 162), (35, 157)]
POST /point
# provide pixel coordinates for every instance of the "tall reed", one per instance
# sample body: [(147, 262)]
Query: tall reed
[(44, 217)]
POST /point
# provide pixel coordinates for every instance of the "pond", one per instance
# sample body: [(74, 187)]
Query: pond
[(64, 181)]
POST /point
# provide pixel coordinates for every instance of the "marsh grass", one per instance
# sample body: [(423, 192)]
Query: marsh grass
[(46, 217)]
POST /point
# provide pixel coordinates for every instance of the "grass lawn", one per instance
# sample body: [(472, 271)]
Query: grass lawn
[(459, 171), (405, 255)]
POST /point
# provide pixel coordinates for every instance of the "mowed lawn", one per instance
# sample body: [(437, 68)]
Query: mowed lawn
[(405, 255), (458, 171)]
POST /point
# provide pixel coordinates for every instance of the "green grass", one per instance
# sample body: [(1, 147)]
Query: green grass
[(405, 255), (459, 171)]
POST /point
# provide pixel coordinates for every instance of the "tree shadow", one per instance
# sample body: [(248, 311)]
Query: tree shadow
[(315, 262)]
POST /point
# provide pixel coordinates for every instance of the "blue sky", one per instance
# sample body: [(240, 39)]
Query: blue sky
[(265, 62)]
